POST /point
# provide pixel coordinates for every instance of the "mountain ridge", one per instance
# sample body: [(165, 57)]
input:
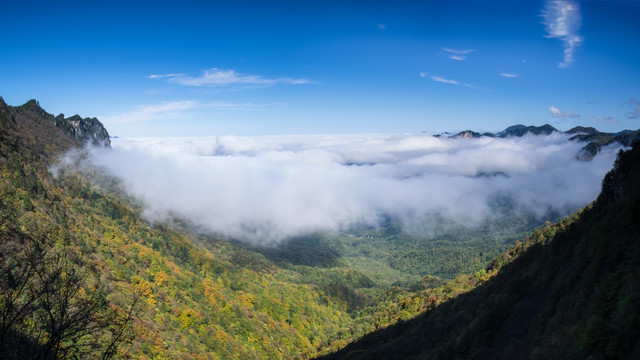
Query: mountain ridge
[(83, 130), (595, 139)]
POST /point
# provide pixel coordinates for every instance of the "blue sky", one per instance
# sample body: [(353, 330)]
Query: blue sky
[(254, 68)]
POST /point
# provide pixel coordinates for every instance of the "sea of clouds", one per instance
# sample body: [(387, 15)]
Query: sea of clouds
[(265, 189)]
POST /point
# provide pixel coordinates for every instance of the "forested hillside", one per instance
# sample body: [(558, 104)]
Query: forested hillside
[(82, 272), (84, 275), (569, 291)]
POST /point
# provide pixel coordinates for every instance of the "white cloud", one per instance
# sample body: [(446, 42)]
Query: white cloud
[(458, 54), (562, 114), (443, 80), (439, 79), (164, 76), (381, 26), (220, 77), (265, 189), (459, 51), (635, 105), (562, 20), (166, 110), (509, 75), (608, 119), (174, 110)]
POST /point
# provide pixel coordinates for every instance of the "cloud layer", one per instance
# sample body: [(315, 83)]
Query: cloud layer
[(265, 189)]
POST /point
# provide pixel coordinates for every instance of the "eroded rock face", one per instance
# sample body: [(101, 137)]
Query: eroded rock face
[(85, 130)]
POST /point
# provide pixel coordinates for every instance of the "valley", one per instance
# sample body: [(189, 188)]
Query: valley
[(138, 286)]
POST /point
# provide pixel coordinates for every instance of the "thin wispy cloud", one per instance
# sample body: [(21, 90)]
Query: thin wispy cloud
[(459, 51), (443, 80), (174, 110), (150, 112), (608, 119), (215, 77), (562, 114), (439, 79), (381, 26), (635, 105), (562, 20), (458, 54), (509, 75)]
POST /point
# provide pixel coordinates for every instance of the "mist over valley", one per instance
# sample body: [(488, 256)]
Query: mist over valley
[(266, 189)]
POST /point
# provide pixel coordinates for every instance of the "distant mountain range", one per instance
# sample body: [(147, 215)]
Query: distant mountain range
[(595, 139), (91, 130)]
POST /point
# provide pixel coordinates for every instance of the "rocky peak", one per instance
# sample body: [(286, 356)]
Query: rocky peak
[(85, 130)]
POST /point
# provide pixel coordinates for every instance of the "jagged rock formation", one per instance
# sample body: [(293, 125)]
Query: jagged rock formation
[(467, 134), (84, 130)]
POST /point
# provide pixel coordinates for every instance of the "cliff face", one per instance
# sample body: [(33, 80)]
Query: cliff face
[(83, 130), (87, 130)]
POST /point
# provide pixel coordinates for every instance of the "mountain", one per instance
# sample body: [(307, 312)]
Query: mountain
[(83, 130), (467, 134), (521, 130), (595, 139), (582, 130), (569, 291)]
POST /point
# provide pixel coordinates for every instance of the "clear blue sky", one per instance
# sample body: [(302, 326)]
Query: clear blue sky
[(275, 67)]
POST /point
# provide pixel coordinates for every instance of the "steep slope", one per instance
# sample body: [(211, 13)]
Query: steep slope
[(51, 303), (81, 271), (573, 292), (66, 246)]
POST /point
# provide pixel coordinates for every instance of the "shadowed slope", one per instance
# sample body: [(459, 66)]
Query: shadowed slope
[(574, 293)]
